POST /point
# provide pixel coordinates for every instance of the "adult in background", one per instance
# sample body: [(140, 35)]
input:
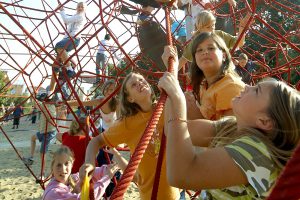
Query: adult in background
[(18, 112)]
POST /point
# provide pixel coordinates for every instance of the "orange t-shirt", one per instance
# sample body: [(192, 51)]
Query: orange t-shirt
[(216, 99), (129, 130)]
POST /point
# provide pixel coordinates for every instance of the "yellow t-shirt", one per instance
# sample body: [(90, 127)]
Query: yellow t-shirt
[(217, 98), (129, 130)]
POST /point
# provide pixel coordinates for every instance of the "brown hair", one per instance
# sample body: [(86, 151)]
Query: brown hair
[(197, 75), (284, 110), (113, 102), (129, 108), (77, 126)]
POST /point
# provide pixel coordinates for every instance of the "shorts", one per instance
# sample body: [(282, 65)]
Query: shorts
[(67, 44), (41, 138)]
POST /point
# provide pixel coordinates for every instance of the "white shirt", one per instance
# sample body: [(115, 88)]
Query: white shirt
[(108, 119), (196, 7), (105, 46), (74, 23)]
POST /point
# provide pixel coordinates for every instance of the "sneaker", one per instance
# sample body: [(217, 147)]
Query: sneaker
[(28, 161), (56, 69), (71, 73), (40, 179)]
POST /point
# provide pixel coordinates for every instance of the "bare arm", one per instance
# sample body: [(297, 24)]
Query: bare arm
[(94, 102), (59, 137), (90, 155), (243, 23), (186, 167), (193, 112), (182, 62)]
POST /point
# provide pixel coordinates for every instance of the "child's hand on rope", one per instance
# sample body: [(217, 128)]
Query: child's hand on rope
[(171, 52), (85, 169)]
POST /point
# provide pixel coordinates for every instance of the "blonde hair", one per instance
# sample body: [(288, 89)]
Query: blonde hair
[(284, 110), (128, 108), (76, 127), (67, 151), (203, 19), (197, 75), (83, 5), (243, 56)]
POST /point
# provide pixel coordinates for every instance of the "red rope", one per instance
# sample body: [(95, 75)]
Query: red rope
[(144, 141), (158, 167), (288, 184)]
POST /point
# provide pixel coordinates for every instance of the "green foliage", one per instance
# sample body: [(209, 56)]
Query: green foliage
[(3, 100), (277, 52)]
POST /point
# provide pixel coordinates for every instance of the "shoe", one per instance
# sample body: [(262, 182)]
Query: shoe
[(28, 161), (56, 69), (40, 179), (71, 73)]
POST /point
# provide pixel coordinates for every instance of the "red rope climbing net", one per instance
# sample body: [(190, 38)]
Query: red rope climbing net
[(29, 32)]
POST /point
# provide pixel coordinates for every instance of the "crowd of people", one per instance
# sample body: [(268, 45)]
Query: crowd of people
[(226, 123)]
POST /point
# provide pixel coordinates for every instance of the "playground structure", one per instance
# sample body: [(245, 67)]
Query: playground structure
[(29, 32)]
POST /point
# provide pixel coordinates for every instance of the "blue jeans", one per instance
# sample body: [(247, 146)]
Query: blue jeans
[(41, 138), (68, 44), (101, 59)]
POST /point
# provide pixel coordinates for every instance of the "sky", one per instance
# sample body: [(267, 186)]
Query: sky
[(44, 26)]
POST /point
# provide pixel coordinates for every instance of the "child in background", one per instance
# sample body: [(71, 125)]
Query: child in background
[(76, 140), (245, 68), (243, 155), (71, 40), (65, 185), (46, 132)]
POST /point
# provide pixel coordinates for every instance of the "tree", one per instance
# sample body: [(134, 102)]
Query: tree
[(3, 90)]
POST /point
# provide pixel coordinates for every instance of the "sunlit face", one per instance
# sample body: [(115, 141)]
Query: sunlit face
[(138, 88), (62, 168), (80, 7), (252, 103), (210, 27), (242, 62), (209, 57), (109, 90)]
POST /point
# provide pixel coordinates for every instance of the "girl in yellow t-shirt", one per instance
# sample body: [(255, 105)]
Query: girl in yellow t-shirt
[(213, 78), (137, 100)]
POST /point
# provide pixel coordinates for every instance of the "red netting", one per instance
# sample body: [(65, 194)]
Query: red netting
[(29, 31)]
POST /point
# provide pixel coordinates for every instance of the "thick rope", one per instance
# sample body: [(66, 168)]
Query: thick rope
[(144, 141), (158, 167), (288, 184)]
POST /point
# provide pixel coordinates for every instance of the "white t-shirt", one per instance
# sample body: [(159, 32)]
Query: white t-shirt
[(74, 23), (196, 7), (108, 119), (105, 46)]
